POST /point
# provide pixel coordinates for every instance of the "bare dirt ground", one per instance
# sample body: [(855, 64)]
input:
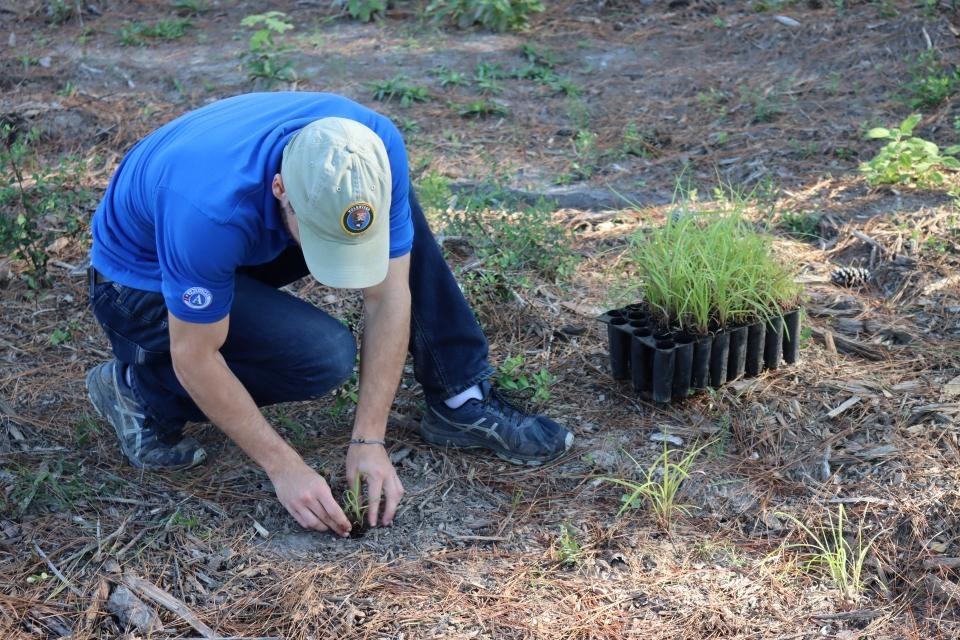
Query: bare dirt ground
[(770, 97)]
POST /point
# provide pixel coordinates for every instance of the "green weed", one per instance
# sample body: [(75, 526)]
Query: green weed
[(538, 57), (264, 57), (86, 431), (60, 11), (803, 150), (34, 197), (510, 377), (931, 82), (585, 158), (398, 87), (53, 484), (497, 15), (763, 103), (830, 553), (909, 160), (636, 142), (483, 109), (510, 245), (362, 10), (714, 102), (486, 77), (298, 432), (802, 224), (191, 7), (345, 396), (568, 549), (433, 191), (60, 336), (136, 34), (449, 78)]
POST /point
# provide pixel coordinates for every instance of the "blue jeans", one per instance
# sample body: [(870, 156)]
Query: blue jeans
[(284, 349)]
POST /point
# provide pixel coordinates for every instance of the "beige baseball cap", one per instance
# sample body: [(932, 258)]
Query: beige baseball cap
[(337, 177)]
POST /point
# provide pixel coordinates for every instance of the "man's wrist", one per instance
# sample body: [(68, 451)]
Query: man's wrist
[(365, 441)]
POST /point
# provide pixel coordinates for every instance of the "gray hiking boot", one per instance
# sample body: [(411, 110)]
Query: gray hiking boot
[(140, 441)]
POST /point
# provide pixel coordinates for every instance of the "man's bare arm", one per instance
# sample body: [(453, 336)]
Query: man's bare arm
[(383, 351), (204, 373)]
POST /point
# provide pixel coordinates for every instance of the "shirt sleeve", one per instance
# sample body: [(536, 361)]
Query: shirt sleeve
[(198, 260), (401, 223)]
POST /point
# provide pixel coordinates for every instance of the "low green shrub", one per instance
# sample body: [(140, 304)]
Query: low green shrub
[(264, 57), (362, 10), (909, 160), (37, 203), (498, 15)]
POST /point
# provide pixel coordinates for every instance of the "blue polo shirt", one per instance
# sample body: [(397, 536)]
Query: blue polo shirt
[(192, 202)]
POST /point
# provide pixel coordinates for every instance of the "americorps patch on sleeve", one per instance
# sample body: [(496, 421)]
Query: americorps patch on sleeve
[(197, 297)]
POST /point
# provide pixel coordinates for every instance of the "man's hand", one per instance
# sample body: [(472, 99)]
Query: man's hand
[(373, 464), (306, 495)]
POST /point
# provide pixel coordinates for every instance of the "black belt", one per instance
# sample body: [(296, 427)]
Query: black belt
[(98, 278)]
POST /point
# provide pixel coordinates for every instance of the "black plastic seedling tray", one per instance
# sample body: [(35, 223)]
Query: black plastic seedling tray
[(666, 365)]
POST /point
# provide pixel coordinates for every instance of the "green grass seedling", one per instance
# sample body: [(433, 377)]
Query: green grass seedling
[(353, 497), (568, 549), (659, 488), (398, 87), (711, 268), (830, 553)]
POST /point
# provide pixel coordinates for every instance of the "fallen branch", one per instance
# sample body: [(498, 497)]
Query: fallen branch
[(941, 563), (846, 345)]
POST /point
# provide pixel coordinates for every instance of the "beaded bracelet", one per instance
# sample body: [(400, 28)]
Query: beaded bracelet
[(382, 443)]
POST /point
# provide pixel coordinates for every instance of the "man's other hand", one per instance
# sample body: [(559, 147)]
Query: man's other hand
[(373, 464)]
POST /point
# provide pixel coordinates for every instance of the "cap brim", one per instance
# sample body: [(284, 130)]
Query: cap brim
[(346, 266)]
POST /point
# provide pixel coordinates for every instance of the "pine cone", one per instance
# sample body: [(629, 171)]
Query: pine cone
[(850, 276)]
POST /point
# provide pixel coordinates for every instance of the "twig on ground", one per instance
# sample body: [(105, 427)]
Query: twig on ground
[(152, 592), (56, 571)]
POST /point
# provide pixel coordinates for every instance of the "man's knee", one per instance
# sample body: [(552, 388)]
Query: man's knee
[(325, 361)]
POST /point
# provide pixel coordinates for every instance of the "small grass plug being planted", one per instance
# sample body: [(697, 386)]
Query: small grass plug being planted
[(356, 506)]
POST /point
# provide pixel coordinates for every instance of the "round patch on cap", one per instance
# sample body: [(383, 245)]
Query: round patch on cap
[(357, 218), (197, 298)]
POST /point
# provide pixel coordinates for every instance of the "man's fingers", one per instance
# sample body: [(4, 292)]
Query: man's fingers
[(393, 491), (374, 489), (335, 517), (309, 520)]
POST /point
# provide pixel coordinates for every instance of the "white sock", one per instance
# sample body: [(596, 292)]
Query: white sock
[(127, 376), (473, 393)]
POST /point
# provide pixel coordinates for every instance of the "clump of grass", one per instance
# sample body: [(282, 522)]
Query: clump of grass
[(398, 87), (136, 34), (711, 268), (833, 555), (353, 499), (660, 485)]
